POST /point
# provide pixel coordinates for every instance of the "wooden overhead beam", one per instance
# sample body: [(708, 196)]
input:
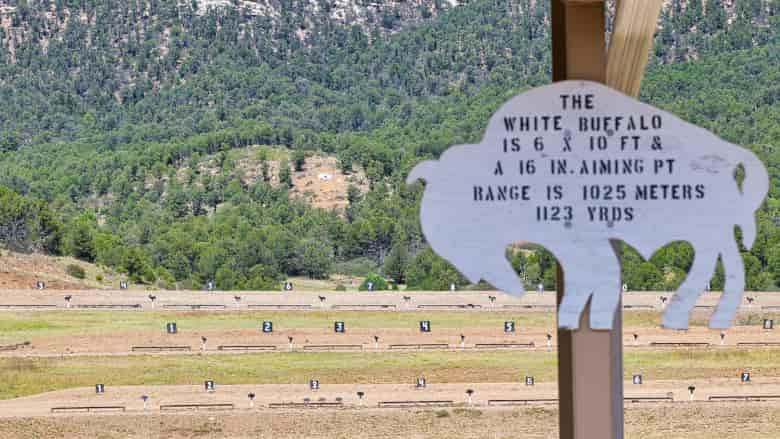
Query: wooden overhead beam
[(632, 39)]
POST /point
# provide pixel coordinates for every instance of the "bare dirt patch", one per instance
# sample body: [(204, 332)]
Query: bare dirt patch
[(22, 271), (697, 421)]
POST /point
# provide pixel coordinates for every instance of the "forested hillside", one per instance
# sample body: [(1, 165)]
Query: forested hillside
[(110, 110)]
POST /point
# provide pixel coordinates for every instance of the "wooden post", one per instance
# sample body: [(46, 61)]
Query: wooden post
[(590, 363)]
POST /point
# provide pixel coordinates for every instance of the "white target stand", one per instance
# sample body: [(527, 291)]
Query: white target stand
[(145, 400), (251, 397), (469, 394), (691, 392), (360, 395), (290, 343)]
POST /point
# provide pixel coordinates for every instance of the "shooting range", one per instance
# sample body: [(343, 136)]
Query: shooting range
[(487, 164)]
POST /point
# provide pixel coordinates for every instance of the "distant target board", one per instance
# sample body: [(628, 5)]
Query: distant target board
[(40, 285), (123, 285), (420, 383), (744, 377), (769, 324), (209, 386), (529, 381), (171, 328), (100, 388), (509, 326), (288, 286), (636, 379), (314, 384)]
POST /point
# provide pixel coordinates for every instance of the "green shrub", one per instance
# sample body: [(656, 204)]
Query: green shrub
[(380, 283), (442, 414), (99, 278), (75, 271), (341, 287)]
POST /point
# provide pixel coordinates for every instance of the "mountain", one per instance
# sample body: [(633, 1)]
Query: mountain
[(128, 124)]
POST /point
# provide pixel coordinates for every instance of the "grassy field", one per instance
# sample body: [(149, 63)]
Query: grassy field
[(26, 376), (18, 325)]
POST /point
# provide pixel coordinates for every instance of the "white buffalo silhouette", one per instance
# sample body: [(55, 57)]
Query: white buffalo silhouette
[(683, 190)]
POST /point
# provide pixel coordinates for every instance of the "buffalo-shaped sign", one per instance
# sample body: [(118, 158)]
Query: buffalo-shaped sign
[(574, 166)]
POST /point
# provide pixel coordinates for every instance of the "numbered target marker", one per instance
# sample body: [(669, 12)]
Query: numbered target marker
[(123, 285), (509, 326), (268, 326), (100, 388), (171, 328), (420, 383), (425, 326), (744, 377), (288, 286), (529, 381), (769, 324), (338, 327), (209, 386), (636, 379), (314, 384)]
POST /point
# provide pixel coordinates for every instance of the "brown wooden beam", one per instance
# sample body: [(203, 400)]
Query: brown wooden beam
[(590, 363)]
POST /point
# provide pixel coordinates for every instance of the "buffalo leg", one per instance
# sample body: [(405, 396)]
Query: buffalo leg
[(590, 272), (733, 289), (606, 294), (500, 273), (678, 311)]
